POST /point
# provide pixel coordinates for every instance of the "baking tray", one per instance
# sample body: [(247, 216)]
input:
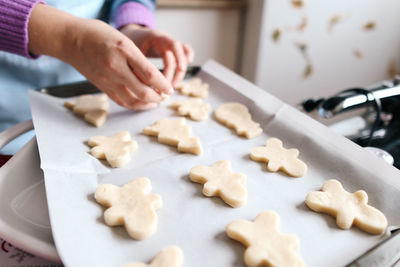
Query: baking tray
[(189, 219), (24, 219)]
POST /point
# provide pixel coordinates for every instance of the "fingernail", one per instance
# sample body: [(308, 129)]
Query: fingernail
[(171, 90)]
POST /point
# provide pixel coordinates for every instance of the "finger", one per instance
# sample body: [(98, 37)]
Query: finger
[(144, 106), (126, 89), (120, 101), (134, 89), (138, 105), (148, 73), (117, 99), (144, 93), (179, 75), (181, 62), (189, 52), (110, 93), (169, 65)]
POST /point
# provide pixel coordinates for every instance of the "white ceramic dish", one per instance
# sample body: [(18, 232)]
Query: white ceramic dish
[(24, 218)]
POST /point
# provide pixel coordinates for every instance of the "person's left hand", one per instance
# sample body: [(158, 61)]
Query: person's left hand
[(155, 43)]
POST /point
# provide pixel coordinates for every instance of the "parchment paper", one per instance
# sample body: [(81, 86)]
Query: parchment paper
[(189, 219)]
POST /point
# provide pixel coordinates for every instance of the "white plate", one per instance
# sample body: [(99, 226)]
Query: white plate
[(24, 218)]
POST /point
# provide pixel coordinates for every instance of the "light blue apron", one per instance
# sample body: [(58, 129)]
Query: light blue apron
[(19, 74)]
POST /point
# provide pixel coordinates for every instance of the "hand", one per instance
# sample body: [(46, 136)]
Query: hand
[(155, 43), (113, 63), (102, 54)]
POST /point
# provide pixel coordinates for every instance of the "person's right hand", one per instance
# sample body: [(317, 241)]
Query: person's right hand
[(115, 65), (106, 57)]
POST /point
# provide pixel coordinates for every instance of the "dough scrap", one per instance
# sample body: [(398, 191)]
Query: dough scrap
[(92, 107), (193, 87), (193, 107), (348, 208), (266, 246), (237, 116), (220, 180), (279, 158), (165, 97), (131, 205), (115, 149), (171, 256), (175, 133)]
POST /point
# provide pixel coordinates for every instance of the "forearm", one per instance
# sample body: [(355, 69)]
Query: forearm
[(105, 56), (50, 31)]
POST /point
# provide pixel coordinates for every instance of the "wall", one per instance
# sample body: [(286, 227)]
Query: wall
[(212, 32), (320, 47)]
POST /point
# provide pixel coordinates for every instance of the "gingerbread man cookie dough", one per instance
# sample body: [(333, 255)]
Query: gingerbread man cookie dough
[(193, 87), (194, 108), (237, 116), (175, 133), (131, 205), (279, 158), (266, 246), (348, 208), (92, 107), (115, 149), (219, 180), (171, 256)]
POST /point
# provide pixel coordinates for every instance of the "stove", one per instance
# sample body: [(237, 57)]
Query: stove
[(381, 105)]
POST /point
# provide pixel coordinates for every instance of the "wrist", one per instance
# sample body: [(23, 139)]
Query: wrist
[(132, 28), (137, 33)]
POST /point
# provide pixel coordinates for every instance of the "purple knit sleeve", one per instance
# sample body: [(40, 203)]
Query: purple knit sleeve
[(133, 13), (14, 17)]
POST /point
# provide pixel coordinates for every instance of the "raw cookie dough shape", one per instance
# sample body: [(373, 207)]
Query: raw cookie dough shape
[(175, 133), (219, 180), (171, 256), (92, 107), (193, 107), (115, 149), (266, 246), (348, 208), (279, 158), (131, 205), (193, 87), (237, 116)]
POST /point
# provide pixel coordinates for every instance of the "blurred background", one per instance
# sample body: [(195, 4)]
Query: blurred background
[(294, 49), (307, 52)]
